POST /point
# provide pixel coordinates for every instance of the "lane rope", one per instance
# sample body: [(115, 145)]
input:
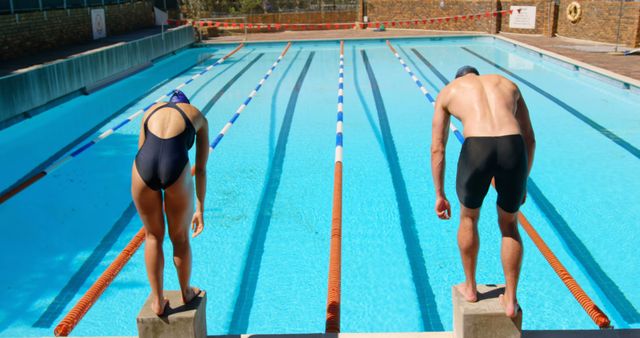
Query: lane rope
[(246, 102), (596, 314), (55, 165), (73, 317), (332, 324)]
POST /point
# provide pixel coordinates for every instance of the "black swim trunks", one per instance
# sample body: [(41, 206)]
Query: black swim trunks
[(160, 161), (502, 157)]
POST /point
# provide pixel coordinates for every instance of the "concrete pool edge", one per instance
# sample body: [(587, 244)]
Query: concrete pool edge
[(625, 333), (601, 74), (598, 73)]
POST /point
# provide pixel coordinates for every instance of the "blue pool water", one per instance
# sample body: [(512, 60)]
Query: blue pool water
[(263, 257)]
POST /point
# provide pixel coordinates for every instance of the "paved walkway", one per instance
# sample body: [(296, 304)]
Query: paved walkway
[(593, 53)]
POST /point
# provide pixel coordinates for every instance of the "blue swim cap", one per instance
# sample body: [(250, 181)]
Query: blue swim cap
[(464, 70), (179, 97)]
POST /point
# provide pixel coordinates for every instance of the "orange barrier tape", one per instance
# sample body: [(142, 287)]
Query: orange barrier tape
[(337, 25), (335, 258), (598, 317), (72, 318)]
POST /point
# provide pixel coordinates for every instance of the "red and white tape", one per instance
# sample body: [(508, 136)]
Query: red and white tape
[(337, 25)]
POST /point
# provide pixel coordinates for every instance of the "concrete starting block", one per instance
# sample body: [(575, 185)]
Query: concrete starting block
[(179, 320), (485, 318)]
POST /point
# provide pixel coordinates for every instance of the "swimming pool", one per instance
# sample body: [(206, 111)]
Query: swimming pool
[(263, 257)]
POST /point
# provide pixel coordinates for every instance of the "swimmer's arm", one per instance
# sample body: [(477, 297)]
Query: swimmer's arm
[(202, 155), (522, 116), (439, 136)]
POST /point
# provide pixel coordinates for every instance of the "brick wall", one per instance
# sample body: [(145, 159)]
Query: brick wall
[(600, 21), (289, 18), (387, 10), (25, 33)]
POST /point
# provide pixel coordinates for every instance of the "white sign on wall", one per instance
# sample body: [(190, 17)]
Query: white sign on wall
[(98, 23), (523, 17)]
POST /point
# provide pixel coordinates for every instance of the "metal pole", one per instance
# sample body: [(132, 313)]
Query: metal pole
[(11, 6), (619, 22), (40, 4)]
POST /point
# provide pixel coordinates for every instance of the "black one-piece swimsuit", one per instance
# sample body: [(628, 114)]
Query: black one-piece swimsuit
[(160, 161)]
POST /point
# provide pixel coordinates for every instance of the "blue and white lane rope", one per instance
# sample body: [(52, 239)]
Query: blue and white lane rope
[(424, 90), (105, 134), (246, 102), (338, 157), (4, 197)]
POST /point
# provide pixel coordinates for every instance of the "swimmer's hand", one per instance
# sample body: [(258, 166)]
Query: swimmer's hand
[(443, 208), (197, 224)]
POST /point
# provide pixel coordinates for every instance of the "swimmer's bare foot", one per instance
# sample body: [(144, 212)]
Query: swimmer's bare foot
[(191, 293), (159, 306), (510, 307), (469, 292)]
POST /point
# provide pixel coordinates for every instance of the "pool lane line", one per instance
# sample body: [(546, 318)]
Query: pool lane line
[(5, 196), (246, 102), (71, 319), (229, 65), (599, 128), (332, 324), (613, 296), (44, 164), (597, 315), (207, 107), (249, 280), (80, 276), (426, 298)]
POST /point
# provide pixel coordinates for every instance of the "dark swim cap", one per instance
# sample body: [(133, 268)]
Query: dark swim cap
[(179, 97), (464, 70)]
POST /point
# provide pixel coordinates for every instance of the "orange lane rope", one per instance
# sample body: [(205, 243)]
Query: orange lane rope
[(72, 318), (598, 317), (332, 324)]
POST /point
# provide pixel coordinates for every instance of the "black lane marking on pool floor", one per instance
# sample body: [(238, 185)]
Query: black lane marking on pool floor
[(272, 120), (571, 241), (79, 278), (207, 107), (246, 292), (229, 64), (599, 128), (426, 298), (43, 165), (363, 101)]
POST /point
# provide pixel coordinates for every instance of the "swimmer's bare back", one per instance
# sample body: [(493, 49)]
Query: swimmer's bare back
[(486, 104)]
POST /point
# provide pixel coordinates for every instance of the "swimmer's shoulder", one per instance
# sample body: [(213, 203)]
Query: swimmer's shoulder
[(193, 113)]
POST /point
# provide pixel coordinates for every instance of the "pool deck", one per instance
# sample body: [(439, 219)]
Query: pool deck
[(590, 52)]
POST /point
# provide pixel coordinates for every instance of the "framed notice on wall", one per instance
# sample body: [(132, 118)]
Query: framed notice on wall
[(98, 23), (523, 17)]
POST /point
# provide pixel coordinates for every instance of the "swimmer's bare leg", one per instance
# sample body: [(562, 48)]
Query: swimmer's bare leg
[(149, 205), (179, 210), (511, 254), (469, 244)]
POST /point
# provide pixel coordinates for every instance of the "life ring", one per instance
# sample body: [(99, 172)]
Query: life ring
[(574, 12)]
